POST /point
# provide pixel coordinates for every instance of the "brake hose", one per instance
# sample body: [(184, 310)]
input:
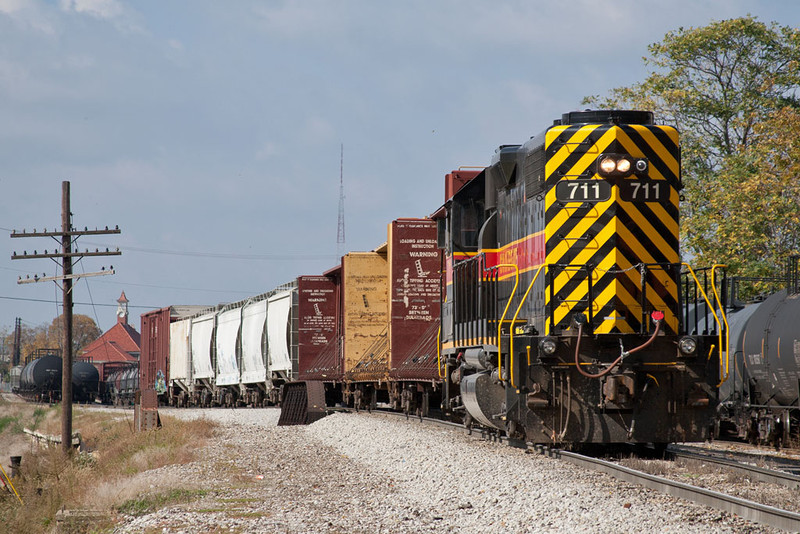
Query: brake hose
[(621, 356)]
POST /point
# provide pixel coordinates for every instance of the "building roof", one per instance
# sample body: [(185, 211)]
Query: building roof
[(119, 344)]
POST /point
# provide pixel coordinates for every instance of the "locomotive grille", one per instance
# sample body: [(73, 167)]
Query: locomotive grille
[(613, 257)]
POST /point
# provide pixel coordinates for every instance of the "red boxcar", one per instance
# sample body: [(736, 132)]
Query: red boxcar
[(154, 358)]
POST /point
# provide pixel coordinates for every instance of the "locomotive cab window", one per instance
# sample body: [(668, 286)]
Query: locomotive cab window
[(468, 216)]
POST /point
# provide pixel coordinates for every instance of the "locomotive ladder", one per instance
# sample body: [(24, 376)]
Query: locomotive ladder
[(722, 324)]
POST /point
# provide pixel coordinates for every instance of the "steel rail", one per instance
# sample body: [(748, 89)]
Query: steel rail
[(775, 462), (752, 511), (759, 474)]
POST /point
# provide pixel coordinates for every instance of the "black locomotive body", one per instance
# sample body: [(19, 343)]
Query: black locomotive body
[(564, 319)]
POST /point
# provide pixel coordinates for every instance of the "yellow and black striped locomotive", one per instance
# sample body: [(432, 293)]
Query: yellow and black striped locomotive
[(567, 309)]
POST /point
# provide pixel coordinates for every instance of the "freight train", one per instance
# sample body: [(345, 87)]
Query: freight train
[(545, 299)]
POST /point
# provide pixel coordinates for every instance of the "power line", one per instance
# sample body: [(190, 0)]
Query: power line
[(224, 255), (221, 255), (205, 290), (46, 301)]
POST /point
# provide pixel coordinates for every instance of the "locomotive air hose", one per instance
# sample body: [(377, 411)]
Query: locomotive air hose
[(621, 356)]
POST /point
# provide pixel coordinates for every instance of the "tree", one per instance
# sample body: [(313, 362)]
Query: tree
[(28, 335), (728, 87), (84, 331), (753, 214)]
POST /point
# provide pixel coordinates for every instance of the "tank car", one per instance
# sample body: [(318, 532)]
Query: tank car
[(85, 382), (563, 320), (763, 392), (122, 385), (129, 385), (41, 379)]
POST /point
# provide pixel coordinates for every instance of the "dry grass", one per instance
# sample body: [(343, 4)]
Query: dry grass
[(110, 477)]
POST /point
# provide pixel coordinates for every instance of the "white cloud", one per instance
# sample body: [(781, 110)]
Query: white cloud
[(11, 6), (102, 9), (121, 16), (28, 13)]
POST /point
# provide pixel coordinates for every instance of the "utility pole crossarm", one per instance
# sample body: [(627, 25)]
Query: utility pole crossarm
[(26, 256), (37, 278), (23, 233)]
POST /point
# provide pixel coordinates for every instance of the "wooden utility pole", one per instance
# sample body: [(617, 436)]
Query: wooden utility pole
[(67, 236), (66, 299)]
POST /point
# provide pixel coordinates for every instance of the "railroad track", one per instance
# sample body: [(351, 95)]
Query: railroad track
[(750, 510), (781, 470)]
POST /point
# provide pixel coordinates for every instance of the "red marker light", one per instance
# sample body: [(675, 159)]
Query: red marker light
[(657, 315)]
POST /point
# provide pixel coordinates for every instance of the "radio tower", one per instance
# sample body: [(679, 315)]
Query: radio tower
[(340, 233)]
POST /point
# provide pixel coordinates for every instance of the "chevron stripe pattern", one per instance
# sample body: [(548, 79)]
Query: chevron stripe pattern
[(615, 259)]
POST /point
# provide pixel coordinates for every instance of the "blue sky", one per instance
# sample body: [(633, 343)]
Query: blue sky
[(210, 131)]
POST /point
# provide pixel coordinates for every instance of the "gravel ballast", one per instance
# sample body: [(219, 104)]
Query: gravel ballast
[(374, 473)]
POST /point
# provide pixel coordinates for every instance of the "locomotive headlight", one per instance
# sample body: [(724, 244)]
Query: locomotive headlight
[(608, 165), (687, 345), (615, 165), (548, 345)]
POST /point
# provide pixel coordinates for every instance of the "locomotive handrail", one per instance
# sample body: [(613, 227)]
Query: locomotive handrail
[(514, 321), (502, 317), (708, 302), (727, 373), (469, 323), (439, 352)]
